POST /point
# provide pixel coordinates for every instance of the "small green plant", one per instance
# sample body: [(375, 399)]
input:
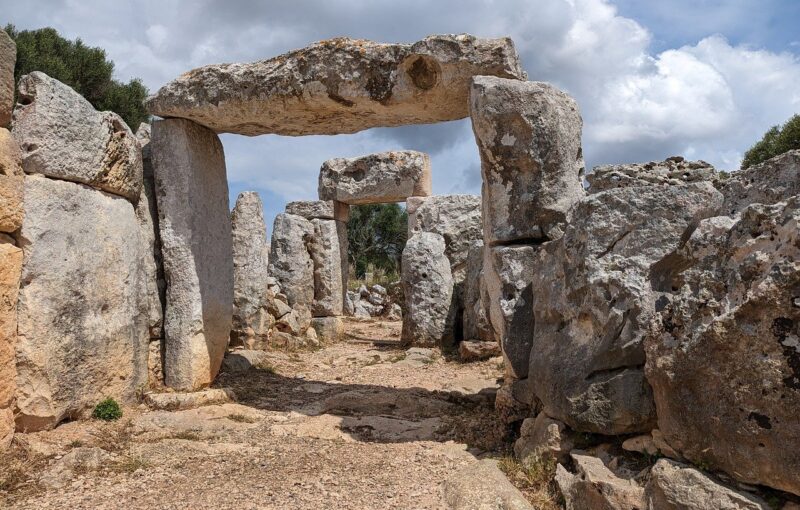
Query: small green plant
[(107, 410), (535, 478)]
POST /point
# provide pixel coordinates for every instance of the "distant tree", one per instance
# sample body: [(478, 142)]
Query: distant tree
[(84, 68), (777, 140), (376, 236)]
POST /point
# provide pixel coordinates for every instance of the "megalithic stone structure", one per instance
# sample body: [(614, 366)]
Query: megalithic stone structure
[(195, 227)]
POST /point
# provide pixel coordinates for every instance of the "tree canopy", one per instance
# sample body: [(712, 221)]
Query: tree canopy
[(777, 140), (84, 68), (376, 235)]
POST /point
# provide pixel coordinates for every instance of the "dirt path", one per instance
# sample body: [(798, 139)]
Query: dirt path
[(359, 425)]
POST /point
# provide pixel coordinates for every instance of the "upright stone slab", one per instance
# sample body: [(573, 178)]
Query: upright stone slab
[(509, 282), (195, 228), (329, 255), (62, 136), (376, 178), (11, 211), (156, 285), (339, 86), (251, 321), (457, 218), (10, 268), (529, 138), (428, 288), (8, 59), (477, 325), (290, 260), (10, 156), (82, 303)]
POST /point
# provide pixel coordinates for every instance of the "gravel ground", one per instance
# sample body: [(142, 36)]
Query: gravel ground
[(362, 424)]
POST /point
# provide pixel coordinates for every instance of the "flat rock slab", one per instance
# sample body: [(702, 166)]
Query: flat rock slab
[(483, 486), (376, 178), (179, 401), (339, 86), (62, 136), (197, 248), (206, 422)]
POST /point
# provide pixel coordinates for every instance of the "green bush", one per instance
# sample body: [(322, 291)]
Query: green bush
[(376, 236), (107, 410), (776, 141), (84, 68)]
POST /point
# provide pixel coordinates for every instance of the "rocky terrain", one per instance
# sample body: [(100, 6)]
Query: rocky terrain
[(360, 424)]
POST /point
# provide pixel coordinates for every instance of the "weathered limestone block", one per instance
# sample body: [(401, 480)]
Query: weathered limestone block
[(597, 487), (457, 218), (529, 138), (8, 58), (328, 250), (330, 330), (62, 136), (376, 178), (767, 183), (82, 306), (595, 297), (482, 485), (10, 268), (476, 305), (724, 354), (673, 171), (319, 210), (180, 401), (11, 212), (339, 86), (675, 486), (251, 319), (509, 275), (197, 250), (542, 437), (10, 156), (290, 258), (428, 289), (473, 350)]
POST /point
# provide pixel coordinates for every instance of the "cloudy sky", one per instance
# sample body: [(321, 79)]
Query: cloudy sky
[(699, 78)]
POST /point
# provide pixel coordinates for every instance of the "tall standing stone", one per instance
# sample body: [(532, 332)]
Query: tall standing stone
[(82, 309), (8, 59), (428, 288), (62, 136), (251, 321), (529, 138), (290, 258), (477, 325), (156, 285), (329, 255), (195, 228), (10, 268)]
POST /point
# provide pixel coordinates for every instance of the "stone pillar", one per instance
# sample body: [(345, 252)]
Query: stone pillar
[(251, 321), (195, 227), (290, 260), (328, 250), (529, 139), (428, 288)]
